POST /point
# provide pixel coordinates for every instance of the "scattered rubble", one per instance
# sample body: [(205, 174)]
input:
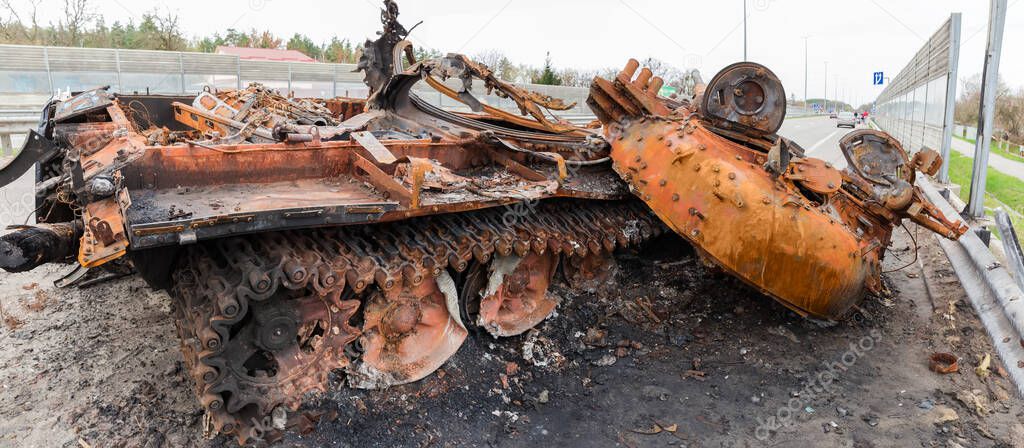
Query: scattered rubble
[(545, 405), (943, 363)]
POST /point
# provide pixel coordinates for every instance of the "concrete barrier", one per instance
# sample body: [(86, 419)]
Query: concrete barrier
[(994, 295)]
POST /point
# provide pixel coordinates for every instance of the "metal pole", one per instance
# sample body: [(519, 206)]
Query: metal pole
[(836, 99), (951, 81), (49, 74), (238, 72), (117, 60), (989, 83), (744, 30), (334, 82), (289, 79), (826, 87), (923, 124), (181, 64), (805, 70), (1011, 245)]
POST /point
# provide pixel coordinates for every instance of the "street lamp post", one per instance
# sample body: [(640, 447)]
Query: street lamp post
[(805, 70), (826, 87), (745, 30), (837, 93)]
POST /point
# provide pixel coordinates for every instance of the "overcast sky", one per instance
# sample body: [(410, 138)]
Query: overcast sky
[(855, 37)]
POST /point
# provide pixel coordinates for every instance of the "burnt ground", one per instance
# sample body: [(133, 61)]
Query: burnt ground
[(671, 354)]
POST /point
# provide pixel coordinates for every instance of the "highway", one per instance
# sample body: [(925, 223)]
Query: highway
[(16, 200), (819, 136)]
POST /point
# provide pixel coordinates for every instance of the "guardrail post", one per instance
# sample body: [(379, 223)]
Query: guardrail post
[(1014, 256), (923, 124), (49, 74), (117, 62), (181, 65), (6, 146), (238, 73), (951, 82), (989, 83), (289, 79)]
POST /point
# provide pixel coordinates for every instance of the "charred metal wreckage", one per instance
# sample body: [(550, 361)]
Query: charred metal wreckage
[(297, 237)]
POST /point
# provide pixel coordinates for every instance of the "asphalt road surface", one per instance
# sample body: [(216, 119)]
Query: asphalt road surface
[(819, 136), (16, 200)]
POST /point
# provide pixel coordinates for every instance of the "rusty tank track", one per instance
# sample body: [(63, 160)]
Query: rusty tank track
[(225, 288)]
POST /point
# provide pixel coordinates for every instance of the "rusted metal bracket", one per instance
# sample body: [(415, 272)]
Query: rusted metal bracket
[(816, 175), (372, 174), (103, 239), (207, 122), (516, 167), (418, 169)]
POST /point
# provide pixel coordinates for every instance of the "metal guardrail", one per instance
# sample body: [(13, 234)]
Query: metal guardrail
[(30, 74), (1011, 245), (11, 126), (42, 69), (995, 296)]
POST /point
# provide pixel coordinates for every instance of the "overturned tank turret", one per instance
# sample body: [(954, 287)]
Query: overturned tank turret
[(794, 227)]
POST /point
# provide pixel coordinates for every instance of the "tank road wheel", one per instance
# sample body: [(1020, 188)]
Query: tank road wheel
[(515, 296), (590, 272), (408, 333), (254, 359)]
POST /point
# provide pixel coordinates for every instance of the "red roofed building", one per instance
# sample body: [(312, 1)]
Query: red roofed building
[(265, 54)]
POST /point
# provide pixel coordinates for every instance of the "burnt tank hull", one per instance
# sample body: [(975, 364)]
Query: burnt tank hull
[(297, 237)]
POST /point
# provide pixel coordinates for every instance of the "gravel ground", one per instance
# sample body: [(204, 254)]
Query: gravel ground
[(669, 354)]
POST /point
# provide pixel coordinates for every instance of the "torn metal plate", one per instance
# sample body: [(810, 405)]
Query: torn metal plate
[(82, 104), (378, 151)]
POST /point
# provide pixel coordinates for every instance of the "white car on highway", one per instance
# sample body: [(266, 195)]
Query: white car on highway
[(846, 119)]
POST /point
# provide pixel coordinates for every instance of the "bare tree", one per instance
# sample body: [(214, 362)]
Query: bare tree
[(168, 32), (1010, 115), (500, 64), (17, 29), (574, 78), (967, 105), (490, 58), (74, 23), (672, 75)]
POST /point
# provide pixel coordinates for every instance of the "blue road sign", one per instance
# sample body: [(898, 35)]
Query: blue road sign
[(879, 78)]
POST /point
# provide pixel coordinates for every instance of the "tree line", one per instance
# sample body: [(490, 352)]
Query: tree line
[(1009, 108), (79, 25)]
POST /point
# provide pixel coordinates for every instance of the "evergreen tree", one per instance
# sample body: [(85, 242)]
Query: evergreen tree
[(306, 46), (547, 76)]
